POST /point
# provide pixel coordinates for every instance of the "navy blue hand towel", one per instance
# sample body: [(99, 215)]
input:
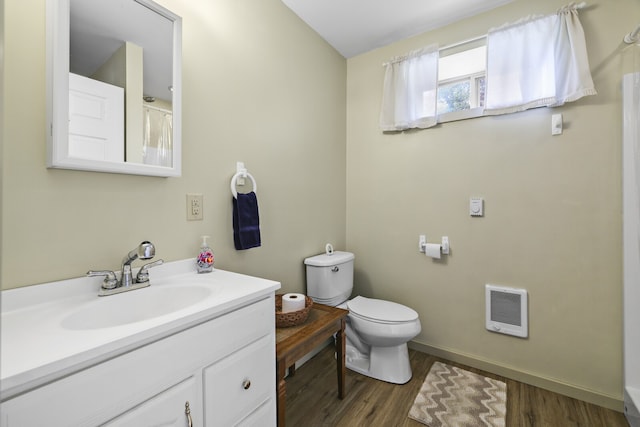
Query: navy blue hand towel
[(246, 222)]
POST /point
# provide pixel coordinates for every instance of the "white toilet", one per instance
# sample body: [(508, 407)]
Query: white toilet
[(377, 330)]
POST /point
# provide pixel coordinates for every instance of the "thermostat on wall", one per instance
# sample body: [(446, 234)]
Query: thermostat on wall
[(476, 206)]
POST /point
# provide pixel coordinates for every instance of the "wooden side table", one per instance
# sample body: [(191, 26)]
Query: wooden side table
[(294, 342)]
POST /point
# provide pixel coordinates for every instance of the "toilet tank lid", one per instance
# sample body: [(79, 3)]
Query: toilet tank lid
[(382, 310), (324, 260)]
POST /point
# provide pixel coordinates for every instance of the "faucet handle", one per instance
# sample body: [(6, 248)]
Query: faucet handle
[(143, 273), (110, 280)]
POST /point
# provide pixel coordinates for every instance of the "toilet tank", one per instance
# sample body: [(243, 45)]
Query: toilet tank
[(330, 277)]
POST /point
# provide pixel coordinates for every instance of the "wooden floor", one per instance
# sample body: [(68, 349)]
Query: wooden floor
[(312, 399)]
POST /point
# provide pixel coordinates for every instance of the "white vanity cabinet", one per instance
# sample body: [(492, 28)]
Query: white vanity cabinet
[(224, 368)]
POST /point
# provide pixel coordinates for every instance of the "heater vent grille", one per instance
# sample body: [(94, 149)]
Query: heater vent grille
[(506, 310)]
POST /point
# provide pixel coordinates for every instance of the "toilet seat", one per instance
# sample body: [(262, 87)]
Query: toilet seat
[(381, 311)]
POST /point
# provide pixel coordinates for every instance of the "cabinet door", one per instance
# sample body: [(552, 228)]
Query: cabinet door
[(261, 417), (176, 407), (241, 383)]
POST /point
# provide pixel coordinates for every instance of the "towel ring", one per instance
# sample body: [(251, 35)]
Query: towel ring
[(233, 183)]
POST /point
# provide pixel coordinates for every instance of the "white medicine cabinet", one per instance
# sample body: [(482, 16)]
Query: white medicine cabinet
[(114, 87)]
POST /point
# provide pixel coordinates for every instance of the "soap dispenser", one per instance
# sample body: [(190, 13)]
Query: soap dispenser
[(205, 258)]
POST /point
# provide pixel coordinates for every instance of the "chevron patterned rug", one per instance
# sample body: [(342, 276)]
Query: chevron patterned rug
[(453, 397)]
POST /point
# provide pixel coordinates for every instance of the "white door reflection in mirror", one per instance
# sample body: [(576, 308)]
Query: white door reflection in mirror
[(96, 124)]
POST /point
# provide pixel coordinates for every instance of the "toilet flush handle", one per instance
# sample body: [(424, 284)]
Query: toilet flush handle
[(335, 269)]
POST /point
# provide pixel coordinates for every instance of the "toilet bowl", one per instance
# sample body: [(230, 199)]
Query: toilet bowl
[(377, 331)]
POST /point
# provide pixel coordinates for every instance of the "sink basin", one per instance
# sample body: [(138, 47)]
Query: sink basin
[(135, 306)]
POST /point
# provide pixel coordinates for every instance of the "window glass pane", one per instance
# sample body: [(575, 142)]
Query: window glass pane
[(454, 96), (480, 87), (461, 77)]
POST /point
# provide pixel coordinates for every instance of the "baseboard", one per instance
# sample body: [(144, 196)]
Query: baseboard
[(607, 401)]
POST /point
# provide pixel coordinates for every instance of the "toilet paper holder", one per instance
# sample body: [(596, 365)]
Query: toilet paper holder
[(422, 243)]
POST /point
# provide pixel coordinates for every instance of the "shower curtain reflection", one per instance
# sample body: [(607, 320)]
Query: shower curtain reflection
[(157, 145)]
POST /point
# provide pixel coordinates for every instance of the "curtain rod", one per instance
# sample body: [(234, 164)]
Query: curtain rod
[(152, 107), (633, 36), (581, 5)]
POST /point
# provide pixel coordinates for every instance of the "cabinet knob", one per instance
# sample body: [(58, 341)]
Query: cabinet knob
[(187, 412), (246, 384)]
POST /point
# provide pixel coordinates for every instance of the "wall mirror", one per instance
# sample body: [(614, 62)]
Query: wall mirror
[(114, 87)]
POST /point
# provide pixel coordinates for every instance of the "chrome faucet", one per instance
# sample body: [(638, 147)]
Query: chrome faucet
[(111, 284), (145, 250)]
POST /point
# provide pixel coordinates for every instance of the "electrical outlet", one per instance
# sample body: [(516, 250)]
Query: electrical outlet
[(194, 207)]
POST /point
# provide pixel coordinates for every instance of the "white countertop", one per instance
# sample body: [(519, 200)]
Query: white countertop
[(40, 342)]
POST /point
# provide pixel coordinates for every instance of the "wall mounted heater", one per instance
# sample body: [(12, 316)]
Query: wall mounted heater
[(506, 310)]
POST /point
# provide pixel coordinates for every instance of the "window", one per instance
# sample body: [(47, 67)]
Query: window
[(536, 62), (461, 82)]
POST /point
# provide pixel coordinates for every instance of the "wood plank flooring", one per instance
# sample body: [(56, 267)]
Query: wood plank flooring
[(312, 400)]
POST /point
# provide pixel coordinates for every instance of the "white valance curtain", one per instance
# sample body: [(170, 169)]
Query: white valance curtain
[(409, 91), (540, 61)]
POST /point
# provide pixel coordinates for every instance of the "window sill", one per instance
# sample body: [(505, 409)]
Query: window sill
[(461, 115)]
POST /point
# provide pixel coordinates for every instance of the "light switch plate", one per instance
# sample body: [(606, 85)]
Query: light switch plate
[(556, 124), (476, 206)]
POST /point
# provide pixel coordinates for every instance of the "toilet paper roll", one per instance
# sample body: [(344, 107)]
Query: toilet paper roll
[(433, 250), (293, 302)]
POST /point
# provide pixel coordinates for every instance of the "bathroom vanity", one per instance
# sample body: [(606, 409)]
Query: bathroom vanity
[(188, 350)]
